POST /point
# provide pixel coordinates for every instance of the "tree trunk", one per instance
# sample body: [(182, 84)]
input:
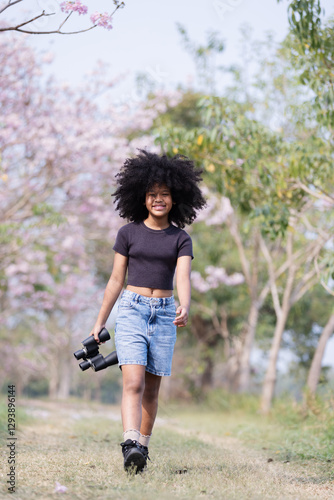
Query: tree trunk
[(65, 371), (53, 377), (233, 365), (251, 273), (314, 373), (244, 376), (206, 379), (270, 378), (97, 392), (281, 312), (65, 380)]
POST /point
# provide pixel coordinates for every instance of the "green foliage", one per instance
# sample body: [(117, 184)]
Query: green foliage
[(311, 47), (293, 432), (7, 230), (217, 249), (305, 22), (273, 219), (47, 214), (309, 428), (242, 159), (304, 326), (184, 114), (37, 388), (220, 400), (272, 173)]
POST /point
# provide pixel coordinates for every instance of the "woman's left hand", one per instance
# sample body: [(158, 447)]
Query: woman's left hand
[(182, 319)]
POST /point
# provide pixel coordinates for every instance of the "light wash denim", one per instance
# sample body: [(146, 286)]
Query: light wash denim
[(145, 333)]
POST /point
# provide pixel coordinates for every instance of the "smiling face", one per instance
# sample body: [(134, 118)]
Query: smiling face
[(159, 201)]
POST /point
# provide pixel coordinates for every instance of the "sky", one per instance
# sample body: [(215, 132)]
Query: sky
[(144, 39)]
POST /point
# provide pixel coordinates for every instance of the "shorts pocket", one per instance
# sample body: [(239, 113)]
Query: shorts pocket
[(170, 311)]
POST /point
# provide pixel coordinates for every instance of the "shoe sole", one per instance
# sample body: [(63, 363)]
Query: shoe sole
[(135, 460)]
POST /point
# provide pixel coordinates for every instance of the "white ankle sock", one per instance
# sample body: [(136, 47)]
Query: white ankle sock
[(144, 440), (131, 434)]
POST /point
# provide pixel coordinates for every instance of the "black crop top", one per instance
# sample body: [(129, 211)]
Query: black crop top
[(152, 254)]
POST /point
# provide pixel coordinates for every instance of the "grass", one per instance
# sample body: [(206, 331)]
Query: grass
[(205, 451), (295, 431)]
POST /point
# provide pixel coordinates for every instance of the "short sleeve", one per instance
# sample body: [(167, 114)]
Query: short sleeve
[(121, 244), (185, 246)]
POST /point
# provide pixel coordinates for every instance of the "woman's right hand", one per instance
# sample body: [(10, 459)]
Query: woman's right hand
[(96, 330)]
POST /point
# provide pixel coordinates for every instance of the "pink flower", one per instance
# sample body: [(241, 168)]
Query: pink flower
[(199, 283), (216, 211), (103, 20), (60, 488), (214, 277), (76, 6), (234, 279)]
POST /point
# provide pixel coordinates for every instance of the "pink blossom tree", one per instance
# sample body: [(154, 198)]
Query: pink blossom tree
[(31, 23), (60, 148)]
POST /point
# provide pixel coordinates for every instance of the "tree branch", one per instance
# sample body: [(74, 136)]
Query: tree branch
[(34, 19), (322, 283), (49, 185), (232, 225), (272, 277), (297, 296), (66, 19), (43, 14), (317, 194), (10, 4), (311, 228), (255, 264), (291, 274), (48, 32)]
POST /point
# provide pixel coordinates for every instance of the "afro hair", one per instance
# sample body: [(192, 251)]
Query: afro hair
[(141, 173)]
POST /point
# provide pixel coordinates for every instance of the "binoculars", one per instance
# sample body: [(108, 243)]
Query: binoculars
[(91, 356)]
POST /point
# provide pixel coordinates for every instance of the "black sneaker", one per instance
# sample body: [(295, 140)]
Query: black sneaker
[(133, 455)]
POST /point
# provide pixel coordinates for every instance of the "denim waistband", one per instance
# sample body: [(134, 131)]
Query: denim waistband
[(164, 301)]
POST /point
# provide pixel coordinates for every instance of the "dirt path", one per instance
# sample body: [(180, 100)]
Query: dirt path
[(75, 444)]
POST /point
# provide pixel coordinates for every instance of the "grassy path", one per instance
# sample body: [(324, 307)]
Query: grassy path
[(77, 445)]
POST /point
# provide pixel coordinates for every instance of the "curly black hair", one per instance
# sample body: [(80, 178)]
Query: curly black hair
[(140, 173)]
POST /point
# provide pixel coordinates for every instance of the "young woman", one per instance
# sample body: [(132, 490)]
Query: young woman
[(158, 196)]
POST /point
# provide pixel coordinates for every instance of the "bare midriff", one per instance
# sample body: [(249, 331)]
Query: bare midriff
[(150, 292)]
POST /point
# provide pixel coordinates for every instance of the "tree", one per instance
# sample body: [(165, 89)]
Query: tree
[(310, 48), (51, 142), (292, 290), (31, 24), (274, 189), (230, 145), (60, 150), (244, 160)]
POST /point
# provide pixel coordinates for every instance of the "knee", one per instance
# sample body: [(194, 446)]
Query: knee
[(133, 386)]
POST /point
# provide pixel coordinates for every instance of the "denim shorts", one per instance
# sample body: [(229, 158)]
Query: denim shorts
[(145, 333)]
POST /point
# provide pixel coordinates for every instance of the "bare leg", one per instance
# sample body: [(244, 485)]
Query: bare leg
[(133, 389), (149, 403)]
